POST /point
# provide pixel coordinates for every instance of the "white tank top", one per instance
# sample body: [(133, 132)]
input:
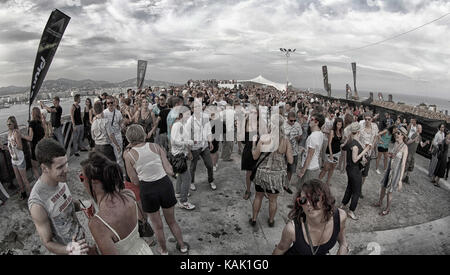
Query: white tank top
[(149, 165), (17, 156)]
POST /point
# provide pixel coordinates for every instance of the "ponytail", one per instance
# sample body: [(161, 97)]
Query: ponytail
[(112, 178)]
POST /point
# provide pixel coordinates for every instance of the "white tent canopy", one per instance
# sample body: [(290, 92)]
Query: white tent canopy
[(261, 80)]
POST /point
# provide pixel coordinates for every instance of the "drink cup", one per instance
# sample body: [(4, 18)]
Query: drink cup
[(88, 208)]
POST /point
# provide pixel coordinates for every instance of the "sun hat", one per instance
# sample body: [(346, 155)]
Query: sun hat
[(403, 131), (355, 127)]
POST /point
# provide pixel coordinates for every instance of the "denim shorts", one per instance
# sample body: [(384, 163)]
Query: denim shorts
[(21, 166)]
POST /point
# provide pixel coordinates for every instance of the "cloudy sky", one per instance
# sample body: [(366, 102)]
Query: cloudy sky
[(231, 39)]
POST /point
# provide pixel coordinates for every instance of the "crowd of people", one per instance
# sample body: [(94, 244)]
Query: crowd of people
[(140, 142)]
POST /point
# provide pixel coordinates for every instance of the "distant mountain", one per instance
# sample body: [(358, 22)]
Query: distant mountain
[(64, 84)]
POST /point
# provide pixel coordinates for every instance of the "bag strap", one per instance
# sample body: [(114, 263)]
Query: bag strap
[(259, 163), (114, 116), (309, 240)]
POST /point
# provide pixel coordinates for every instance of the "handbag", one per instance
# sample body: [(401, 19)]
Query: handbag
[(145, 229), (252, 176), (178, 162)]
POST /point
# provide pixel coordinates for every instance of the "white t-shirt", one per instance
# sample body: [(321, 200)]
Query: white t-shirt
[(314, 141), (115, 125)]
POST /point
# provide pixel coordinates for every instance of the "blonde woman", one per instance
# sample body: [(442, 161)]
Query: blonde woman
[(17, 157)]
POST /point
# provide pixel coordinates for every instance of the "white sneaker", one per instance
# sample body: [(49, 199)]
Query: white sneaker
[(186, 205), (213, 186), (214, 168), (178, 195), (378, 172), (352, 215), (193, 188)]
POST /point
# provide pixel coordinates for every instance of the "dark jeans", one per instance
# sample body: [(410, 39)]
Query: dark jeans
[(448, 168), (353, 190), (206, 156)]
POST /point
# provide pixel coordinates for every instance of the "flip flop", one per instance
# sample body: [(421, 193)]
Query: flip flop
[(186, 248), (384, 212)]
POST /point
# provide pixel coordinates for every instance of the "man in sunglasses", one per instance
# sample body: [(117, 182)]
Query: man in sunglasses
[(51, 204), (115, 121), (293, 131)]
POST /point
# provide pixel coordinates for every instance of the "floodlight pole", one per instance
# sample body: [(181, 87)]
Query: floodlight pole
[(287, 53)]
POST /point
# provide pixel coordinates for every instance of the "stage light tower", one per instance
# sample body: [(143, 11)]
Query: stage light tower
[(287, 53)]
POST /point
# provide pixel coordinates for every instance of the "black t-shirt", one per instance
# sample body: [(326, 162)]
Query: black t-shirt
[(348, 147), (56, 117), (38, 132), (163, 113)]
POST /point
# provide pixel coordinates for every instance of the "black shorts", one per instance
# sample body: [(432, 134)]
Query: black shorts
[(157, 194), (260, 189), (215, 144), (382, 150)]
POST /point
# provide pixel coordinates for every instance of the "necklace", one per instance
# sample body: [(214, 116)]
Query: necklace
[(311, 246)]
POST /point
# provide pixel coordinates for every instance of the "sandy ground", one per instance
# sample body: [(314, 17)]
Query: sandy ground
[(418, 223)]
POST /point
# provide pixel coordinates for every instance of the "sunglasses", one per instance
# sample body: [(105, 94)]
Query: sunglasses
[(292, 120), (109, 103), (301, 200)]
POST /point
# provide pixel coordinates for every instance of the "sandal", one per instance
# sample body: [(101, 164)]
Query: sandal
[(271, 223), (161, 253), (287, 189), (384, 212), (185, 249), (376, 205), (252, 222), (247, 195)]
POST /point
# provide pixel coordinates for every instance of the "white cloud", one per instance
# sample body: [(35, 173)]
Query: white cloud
[(236, 39)]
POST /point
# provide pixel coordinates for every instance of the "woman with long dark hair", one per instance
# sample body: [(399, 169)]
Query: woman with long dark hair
[(385, 138), (251, 135), (315, 216), (88, 116), (115, 226), (335, 139), (36, 132)]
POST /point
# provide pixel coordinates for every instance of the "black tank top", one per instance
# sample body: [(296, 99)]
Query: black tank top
[(77, 115), (335, 144), (301, 247)]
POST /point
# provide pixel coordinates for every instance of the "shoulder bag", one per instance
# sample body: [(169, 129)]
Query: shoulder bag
[(252, 176)]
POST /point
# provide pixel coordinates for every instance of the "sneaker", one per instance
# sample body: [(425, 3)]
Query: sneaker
[(186, 205), (214, 168), (352, 215), (213, 186), (378, 172), (342, 207), (178, 195), (193, 188)]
